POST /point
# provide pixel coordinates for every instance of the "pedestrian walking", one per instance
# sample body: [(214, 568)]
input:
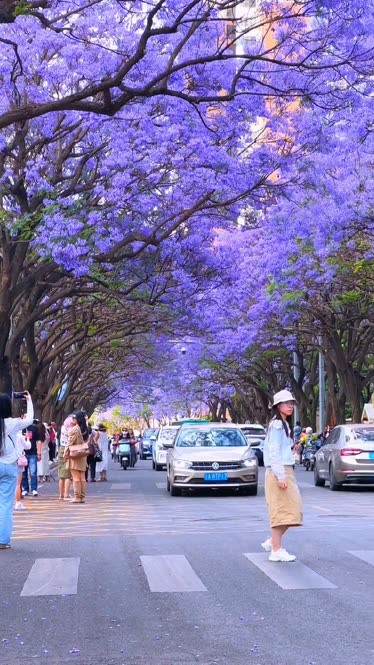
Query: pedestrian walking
[(22, 444), (297, 432), (133, 452), (101, 441), (115, 443), (281, 490), (52, 431), (43, 463), (78, 437), (92, 456), (64, 475), (33, 456), (8, 462)]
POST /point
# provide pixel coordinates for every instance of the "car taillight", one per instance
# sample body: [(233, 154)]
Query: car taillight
[(345, 452)]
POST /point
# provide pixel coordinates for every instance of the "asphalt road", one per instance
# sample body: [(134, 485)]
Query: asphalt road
[(136, 577)]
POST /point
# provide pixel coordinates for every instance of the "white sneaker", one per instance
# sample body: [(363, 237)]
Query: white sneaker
[(19, 506), (266, 545), (24, 493), (281, 555), (34, 493)]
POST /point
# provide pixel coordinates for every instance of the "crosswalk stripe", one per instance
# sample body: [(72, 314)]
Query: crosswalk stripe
[(120, 486), (364, 555), (161, 486), (289, 575), (171, 573), (52, 577)]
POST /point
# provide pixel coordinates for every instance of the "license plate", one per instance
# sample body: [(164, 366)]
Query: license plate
[(215, 477), (371, 455)]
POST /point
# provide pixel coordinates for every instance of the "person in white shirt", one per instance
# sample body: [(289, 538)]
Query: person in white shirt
[(22, 443), (8, 462), (281, 490)]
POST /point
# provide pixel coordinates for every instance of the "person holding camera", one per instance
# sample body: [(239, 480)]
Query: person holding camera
[(9, 427)]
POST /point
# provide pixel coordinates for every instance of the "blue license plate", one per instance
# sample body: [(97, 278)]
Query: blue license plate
[(371, 455), (215, 477)]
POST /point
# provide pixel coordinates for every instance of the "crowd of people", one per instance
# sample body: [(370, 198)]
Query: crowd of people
[(27, 447)]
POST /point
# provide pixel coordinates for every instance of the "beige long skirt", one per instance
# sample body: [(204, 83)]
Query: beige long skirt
[(285, 506)]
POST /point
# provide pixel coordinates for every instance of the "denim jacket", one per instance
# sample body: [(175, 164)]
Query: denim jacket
[(277, 449)]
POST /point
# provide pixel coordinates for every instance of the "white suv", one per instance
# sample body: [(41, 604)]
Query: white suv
[(255, 435), (166, 435)]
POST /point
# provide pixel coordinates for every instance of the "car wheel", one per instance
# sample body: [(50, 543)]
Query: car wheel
[(319, 482), (334, 486), (153, 465), (168, 484), (158, 467), (175, 491)]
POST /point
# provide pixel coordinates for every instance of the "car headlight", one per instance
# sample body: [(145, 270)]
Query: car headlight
[(249, 462), (181, 464)]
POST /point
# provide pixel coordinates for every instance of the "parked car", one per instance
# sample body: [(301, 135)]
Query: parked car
[(346, 457), (256, 435), (165, 436), (146, 443), (214, 455)]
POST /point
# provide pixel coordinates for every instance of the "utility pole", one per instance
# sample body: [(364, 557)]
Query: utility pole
[(321, 388), (296, 376)]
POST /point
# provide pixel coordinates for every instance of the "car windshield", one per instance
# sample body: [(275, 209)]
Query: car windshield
[(253, 431), (219, 438), (148, 433), (366, 435), (167, 435)]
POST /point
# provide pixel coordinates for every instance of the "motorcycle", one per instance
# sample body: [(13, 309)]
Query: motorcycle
[(309, 458), (124, 454)]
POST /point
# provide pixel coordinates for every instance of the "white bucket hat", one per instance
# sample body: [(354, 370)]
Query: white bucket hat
[(283, 396)]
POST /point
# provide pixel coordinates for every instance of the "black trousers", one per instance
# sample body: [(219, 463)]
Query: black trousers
[(133, 456), (52, 451), (91, 462)]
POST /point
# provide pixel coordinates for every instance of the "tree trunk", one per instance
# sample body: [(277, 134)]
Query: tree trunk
[(5, 376)]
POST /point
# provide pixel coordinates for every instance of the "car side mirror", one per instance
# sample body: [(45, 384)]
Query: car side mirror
[(168, 444), (152, 438)]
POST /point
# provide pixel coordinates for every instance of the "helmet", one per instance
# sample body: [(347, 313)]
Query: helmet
[(283, 396), (309, 430)]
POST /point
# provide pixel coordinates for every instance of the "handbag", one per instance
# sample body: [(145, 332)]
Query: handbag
[(98, 455), (22, 461), (79, 450)]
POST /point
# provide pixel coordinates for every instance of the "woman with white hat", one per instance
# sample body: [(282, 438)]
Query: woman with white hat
[(281, 490)]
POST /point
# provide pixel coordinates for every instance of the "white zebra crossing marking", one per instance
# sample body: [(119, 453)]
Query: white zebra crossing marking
[(161, 486), (289, 575), (171, 573), (364, 555), (52, 577), (120, 486)]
